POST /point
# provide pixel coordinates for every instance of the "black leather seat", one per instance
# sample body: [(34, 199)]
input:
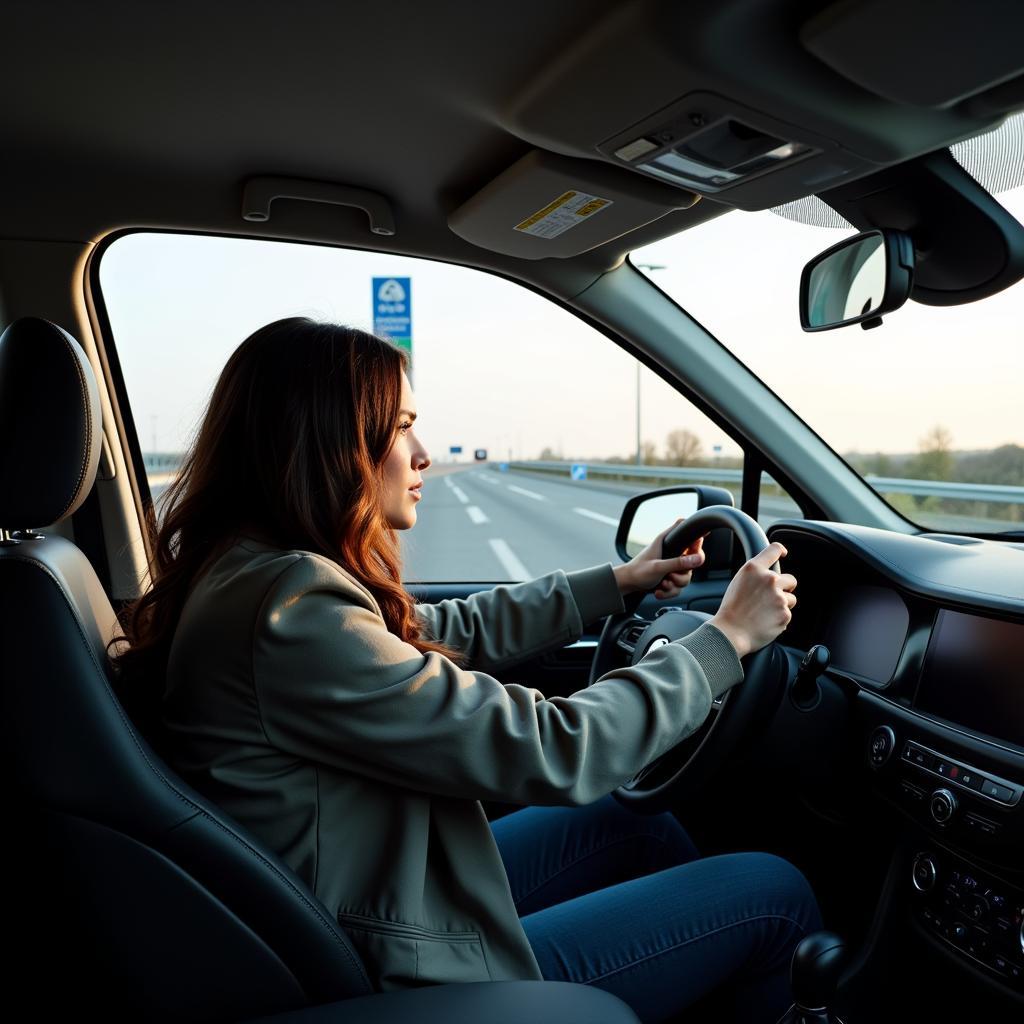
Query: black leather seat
[(175, 911)]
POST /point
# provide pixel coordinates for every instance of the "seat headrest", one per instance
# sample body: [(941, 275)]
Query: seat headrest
[(50, 434)]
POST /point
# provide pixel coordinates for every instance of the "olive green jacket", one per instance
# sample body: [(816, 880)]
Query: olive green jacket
[(361, 761)]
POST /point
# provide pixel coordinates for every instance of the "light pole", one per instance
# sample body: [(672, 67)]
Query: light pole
[(639, 449)]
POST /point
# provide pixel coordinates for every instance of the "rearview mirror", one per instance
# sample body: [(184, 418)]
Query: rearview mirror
[(856, 281), (646, 515)]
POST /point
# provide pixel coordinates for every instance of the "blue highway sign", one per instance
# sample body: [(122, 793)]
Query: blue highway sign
[(392, 310)]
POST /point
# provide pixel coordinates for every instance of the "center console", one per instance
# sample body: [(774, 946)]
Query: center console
[(965, 792), (977, 915)]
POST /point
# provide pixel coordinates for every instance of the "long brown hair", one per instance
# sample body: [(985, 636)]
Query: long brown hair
[(291, 446)]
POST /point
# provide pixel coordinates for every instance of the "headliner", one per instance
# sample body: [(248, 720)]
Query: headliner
[(132, 115)]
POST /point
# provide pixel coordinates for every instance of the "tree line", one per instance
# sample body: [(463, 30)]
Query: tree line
[(681, 448), (935, 459)]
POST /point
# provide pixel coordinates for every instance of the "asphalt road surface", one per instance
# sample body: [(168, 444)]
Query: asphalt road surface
[(483, 525), (479, 524)]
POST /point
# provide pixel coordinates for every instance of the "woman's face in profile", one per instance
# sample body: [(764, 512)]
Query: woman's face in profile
[(403, 466)]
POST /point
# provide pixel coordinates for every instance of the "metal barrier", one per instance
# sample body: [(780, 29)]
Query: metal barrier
[(167, 463), (709, 474)]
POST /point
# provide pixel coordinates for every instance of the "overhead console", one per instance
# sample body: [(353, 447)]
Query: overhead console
[(748, 103), (758, 103), (713, 145)]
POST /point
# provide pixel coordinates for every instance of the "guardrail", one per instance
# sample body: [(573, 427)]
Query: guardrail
[(709, 474), (167, 463)]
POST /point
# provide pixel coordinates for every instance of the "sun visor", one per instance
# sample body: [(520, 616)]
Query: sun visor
[(548, 205), (925, 53)]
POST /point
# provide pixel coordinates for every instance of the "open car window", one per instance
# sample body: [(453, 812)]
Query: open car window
[(529, 414)]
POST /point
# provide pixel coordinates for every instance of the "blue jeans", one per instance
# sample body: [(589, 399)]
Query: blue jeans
[(624, 901)]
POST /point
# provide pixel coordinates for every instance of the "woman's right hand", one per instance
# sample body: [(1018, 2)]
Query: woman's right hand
[(757, 604)]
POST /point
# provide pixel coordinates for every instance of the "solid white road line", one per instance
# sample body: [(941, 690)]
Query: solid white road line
[(526, 493), (508, 560), (596, 515), (476, 515), (460, 494)]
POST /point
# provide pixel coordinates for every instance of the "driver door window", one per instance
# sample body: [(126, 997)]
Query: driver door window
[(529, 414)]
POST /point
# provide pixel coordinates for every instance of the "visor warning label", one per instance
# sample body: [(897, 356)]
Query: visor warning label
[(565, 212)]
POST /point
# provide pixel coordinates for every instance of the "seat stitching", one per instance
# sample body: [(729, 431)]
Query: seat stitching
[(695, 938), (316, 814)]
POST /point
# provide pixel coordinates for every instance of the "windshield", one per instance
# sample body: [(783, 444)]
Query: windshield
[(926, 407)]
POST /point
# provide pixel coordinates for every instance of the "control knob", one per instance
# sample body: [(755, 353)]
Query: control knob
[(924, 873), (943, 806)]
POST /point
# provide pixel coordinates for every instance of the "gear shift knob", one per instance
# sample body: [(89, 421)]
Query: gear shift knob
[(818, 961)]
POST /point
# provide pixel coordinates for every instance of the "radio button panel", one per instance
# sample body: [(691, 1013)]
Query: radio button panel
[(981, 784)]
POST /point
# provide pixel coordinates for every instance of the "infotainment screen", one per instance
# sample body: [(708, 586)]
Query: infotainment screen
[(973, 674)]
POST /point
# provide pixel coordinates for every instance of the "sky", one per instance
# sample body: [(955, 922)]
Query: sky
[(499, 367), (877, 390)]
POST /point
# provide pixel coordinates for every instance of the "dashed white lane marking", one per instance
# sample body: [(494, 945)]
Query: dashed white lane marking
[(596, 515), (460, 494), (508, 560), (448, 482), (490, 479), (476, 514), (526, 493)]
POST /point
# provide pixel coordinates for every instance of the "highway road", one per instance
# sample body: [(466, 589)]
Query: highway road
[(477, 523)]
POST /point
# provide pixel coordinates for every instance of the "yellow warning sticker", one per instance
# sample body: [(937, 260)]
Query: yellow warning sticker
[(568, 210)]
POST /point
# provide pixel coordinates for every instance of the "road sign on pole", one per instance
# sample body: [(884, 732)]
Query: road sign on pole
[(392, 310)]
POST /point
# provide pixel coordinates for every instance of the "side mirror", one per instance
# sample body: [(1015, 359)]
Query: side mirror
[(646, 515), (856, 281)]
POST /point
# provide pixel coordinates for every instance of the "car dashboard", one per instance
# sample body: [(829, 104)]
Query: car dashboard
[(925, 636)]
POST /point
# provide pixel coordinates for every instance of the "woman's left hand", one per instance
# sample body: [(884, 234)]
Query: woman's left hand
[(665, 576)]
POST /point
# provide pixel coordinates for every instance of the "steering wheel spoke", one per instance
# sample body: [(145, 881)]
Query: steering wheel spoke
[(689, 767), (630, 635)]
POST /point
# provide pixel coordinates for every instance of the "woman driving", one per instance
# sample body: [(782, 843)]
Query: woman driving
[(354, 731)]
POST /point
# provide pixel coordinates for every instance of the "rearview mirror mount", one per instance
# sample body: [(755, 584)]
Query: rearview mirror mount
[(857, 281)]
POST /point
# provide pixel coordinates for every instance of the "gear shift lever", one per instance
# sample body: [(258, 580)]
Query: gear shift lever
[(818, 961)]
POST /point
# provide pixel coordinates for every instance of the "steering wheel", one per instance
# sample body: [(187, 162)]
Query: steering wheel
[(689, 766)]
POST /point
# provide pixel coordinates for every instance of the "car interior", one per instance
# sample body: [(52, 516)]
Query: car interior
[(878, 744)]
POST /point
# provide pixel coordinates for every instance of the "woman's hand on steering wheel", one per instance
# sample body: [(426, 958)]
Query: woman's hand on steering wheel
[(758, 603), (648, 571)]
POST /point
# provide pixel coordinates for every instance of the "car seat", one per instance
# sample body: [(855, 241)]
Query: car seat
[(127, 885)]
